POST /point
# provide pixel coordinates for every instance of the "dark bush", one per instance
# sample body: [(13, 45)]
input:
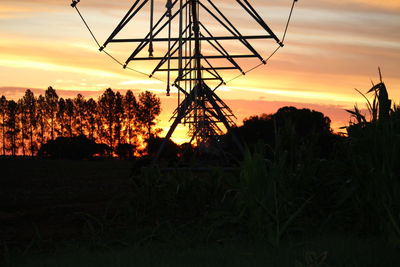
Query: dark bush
[(125, 151), (291, 129), (77, 147), (170, 150)]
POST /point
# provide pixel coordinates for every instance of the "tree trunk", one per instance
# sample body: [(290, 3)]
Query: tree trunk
[(31, 137), (4, 137), (52, 128)]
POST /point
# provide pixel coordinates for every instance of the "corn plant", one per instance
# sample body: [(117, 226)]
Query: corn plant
[(374, 152), (268, 212), (378, 109)]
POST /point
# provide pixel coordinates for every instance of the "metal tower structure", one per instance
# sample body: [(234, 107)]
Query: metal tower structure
[(194, 71)]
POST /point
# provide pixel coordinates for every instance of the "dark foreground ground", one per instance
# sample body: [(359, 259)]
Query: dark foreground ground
[(50, 198), (71, 213)]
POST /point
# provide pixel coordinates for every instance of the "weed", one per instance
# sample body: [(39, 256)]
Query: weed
[(313, 259)]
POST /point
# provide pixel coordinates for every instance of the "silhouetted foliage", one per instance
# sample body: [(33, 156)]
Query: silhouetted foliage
[(79, 147), (148, 108), (12, 126), (170, 151), (69, 112), (3, 113), (291, 129), (90, 117), (107, 113), (119, 118), (115, 119), (373, 151), (79, 114), (29, 103), (41, 116), (187, 152), (51, 99), (103, 150), (131, 130), (125, 151)]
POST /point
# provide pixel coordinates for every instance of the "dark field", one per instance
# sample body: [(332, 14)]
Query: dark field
[(94, 213), (50, 198), (322, 253)]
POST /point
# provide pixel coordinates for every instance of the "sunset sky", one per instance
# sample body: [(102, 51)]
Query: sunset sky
[(331, 48)]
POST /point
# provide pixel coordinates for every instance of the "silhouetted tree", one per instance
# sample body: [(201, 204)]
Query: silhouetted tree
[(41, 119), (12, 126), (79, 114), (69, 112), (61, 117), (101, 131), (306, 121), (119, 117), (51, 104), (3, 113), (115, 119), (106, 106), (90, 115), (30, 108), (291, 129), (148, 108), (23, 119), (130, 107), (257, 127)]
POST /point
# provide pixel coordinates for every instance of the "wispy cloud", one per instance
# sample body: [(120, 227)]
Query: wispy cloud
[(388, 4), (134, 82), (310, 95), (23, 64)]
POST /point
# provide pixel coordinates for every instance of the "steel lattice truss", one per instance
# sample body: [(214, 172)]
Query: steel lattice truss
[(189, 68)]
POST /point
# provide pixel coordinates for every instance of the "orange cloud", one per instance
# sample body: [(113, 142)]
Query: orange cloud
[(389, 4), (18, 9)]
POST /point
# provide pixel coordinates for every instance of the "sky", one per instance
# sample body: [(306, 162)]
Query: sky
[(331, 48)]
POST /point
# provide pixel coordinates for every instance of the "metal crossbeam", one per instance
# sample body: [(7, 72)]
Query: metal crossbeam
[(204, 57), (248, 37)]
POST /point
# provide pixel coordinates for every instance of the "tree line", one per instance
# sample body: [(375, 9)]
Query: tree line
[(113, 119)]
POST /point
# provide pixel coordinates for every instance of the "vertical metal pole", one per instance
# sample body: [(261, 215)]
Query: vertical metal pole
[(196, 32), (180, 38), (151, 49), (169, 12), (197, 66), (180, 74), (190, 52)]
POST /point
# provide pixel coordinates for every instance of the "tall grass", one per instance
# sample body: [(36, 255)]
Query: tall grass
[(374, 154), (266, 205)]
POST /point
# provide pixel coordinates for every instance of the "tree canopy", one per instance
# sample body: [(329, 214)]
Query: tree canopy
[(119, 121)]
